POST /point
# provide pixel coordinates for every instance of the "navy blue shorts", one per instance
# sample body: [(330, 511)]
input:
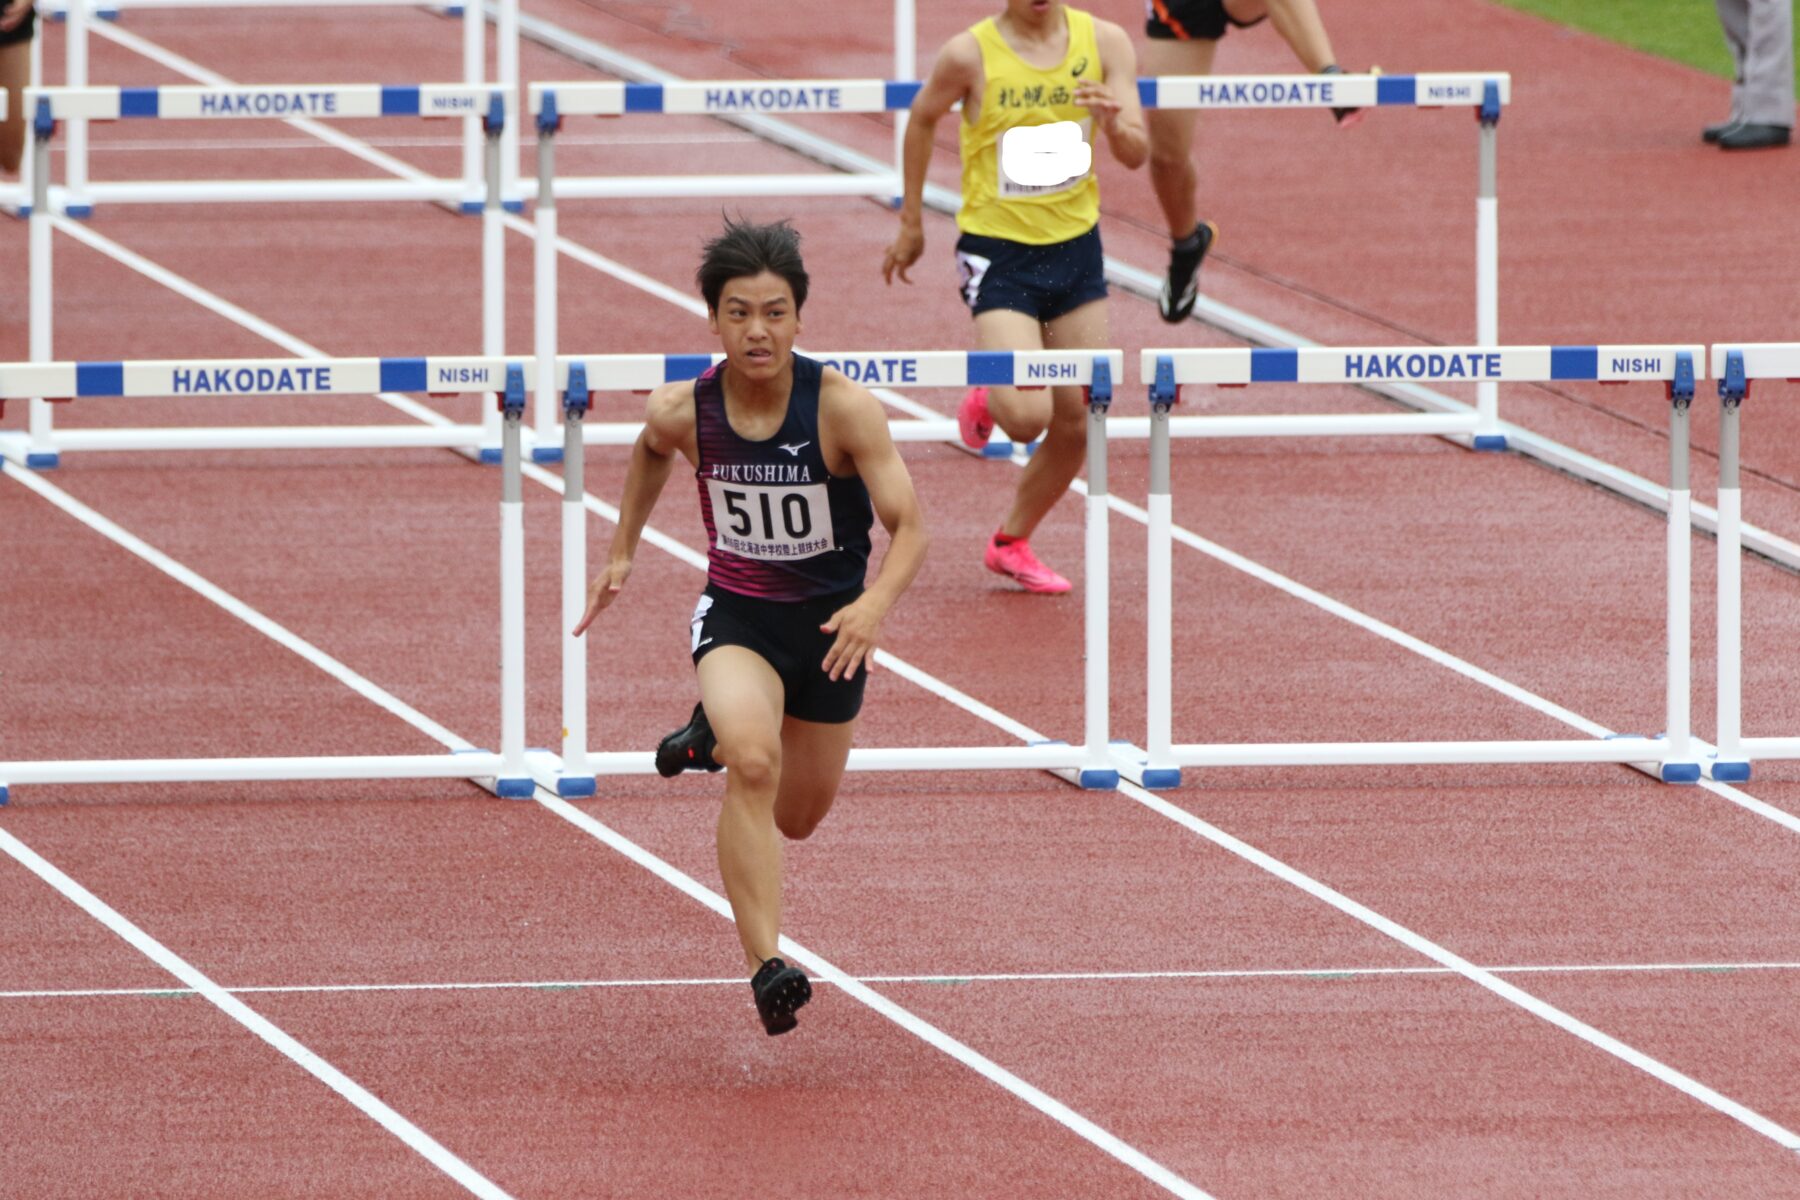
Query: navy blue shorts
[(785, 634), (1190, 20), (1040, 281)]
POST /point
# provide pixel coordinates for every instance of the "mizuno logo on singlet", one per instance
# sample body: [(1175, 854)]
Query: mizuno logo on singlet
[(795, 448)]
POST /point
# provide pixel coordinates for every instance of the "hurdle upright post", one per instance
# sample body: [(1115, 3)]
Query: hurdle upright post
[(1679, 765), (75, 70), (40, 449), (514, 780), (1731, 764), (1487, 266), (1160, 770), (1098, 770), (474, 72), (577, 778), (493, 268), (544, 284), (906, 70)]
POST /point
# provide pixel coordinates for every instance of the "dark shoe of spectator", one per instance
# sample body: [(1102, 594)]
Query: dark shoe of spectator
[(1710, 135), (1754, 137)]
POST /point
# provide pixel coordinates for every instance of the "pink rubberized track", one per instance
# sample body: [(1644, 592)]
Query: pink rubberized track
[(563, 1019)]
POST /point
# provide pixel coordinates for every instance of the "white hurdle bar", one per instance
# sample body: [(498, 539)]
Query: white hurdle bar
[(1487, 93), (48, 106), (1737, 366), (80, 195), (509, 379), (1168, 370), (1089, 764)]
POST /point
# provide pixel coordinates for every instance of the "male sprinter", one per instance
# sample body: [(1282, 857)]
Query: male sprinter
[(1032, 269), (788, 455), (1183, 36)]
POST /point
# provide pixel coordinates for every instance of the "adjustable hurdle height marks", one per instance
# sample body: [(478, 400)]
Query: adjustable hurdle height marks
[(1487, 266), (514, 781), (577, 778), (1731, 764), (1159, 768), (1098, 772), (1680, 766), (544, 287), (493, 269), (40, 448)]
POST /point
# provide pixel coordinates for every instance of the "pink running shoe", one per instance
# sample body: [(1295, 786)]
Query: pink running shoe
[(1016, 561), (973, 419)]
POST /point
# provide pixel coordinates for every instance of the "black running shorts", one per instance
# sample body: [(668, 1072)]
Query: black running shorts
[(785, 634), (1040, 281), (1190, 20), (21, 32)]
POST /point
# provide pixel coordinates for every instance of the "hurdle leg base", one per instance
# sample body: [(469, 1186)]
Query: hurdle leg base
[(1680, 772), (78, 212), (490, 456), (515, 789), (472, 207), (1098, 779), (1488, 442), (5, 796), (1730, 772), (577, 787), (998, 450), (43, 462), (546, 454), (513, 206)]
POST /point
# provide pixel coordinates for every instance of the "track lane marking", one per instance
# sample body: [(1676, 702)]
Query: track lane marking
[(421, 1142), (1603, 1041), (1331, 974)]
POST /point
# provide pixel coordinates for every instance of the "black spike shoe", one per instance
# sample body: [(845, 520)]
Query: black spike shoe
[(689, 748), (780, 992)]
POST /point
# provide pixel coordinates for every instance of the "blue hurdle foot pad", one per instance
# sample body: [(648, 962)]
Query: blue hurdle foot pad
[(514, 789), (472, 207), (43, 462), (1731, 772), (1099, 779), (492, 456), (513, 206), (576, 787), (1157, 778), (1681, 772), (5, 797), (998, 450), (79, 212), (546, 454), (1489, 441)]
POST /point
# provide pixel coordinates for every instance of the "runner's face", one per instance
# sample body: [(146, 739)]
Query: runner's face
[(757, 323)]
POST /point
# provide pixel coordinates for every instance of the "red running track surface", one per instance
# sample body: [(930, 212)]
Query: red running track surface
[(585, 1035)]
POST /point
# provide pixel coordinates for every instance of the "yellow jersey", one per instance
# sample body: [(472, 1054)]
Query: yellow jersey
[(1015, 93)]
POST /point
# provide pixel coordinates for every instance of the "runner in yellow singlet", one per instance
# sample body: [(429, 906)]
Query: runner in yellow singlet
[(1032, 270)]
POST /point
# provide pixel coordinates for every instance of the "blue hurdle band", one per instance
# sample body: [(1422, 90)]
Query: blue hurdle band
[(1433, 364), (258, 377), (873, 368), (186, 102)]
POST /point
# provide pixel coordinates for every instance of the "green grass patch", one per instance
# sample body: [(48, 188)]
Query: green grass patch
[(1686, 31)]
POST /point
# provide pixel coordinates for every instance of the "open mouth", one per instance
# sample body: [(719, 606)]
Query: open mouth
[(760, 356)]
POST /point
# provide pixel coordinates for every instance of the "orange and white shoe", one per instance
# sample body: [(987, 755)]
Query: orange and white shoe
[(1016, 561), (973, 420)]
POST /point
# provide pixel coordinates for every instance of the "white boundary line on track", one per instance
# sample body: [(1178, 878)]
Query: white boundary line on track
[(1320, 891), (683, 300), (1225, 841), (416, 1138), (1320, 974), (825, 970)]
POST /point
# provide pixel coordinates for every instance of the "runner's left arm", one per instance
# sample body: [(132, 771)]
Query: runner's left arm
[(1114, 103), (860, 428)]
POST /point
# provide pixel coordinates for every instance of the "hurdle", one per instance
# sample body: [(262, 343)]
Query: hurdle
[(1737, 366), (578, 377), (81, 194), (44, 444), (1167, 371), (507, 772)]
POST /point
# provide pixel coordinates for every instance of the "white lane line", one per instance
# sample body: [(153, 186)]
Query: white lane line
[(906, 1020), (828, 972), (188, 577), (1487, 979), (1324, 974), (421, 1142), (1627, 1053), (1025, 733)]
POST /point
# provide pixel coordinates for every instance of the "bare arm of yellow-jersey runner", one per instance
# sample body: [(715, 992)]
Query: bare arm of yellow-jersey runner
[(955, 77)]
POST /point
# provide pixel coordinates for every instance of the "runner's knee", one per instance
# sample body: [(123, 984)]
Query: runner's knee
[(756, 766)]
